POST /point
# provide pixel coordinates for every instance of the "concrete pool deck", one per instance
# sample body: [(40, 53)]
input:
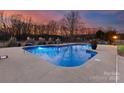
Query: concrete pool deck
[(120, 69), (23, 67)]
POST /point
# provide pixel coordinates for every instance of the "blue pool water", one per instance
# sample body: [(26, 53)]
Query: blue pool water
[(66, 55)]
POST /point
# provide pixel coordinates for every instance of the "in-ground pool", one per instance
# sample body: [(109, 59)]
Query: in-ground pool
[(66, 55)]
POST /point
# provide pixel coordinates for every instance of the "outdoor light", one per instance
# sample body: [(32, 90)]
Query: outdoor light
[(115, 37)]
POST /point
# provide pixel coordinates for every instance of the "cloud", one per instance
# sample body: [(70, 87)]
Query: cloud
[(92, 18), (38, 16), (121, 17)]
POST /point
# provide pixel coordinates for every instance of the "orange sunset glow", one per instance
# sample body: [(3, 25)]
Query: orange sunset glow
[(90, 21), (92, 18)]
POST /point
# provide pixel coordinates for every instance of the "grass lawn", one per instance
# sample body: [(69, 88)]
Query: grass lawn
[(121, 48)]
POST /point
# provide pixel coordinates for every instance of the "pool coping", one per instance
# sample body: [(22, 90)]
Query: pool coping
[(20, 67)]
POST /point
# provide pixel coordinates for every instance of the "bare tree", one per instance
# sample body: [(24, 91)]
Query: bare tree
[(4, 26), (53, 27), (17, 23), (4, 22), (42, 29), (21, 25), (71, 22), (63, 29), (28, 25)]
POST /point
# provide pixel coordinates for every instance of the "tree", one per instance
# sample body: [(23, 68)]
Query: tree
[(3, 22), (17, 23), (100, 35), (4, 27), (63, 29), (71, 22), (21, 26), (52, 27), (42, 28), (110, 34)]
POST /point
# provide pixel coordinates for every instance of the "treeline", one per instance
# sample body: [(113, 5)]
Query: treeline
[(106, 36), (67, 28), (18, 26)]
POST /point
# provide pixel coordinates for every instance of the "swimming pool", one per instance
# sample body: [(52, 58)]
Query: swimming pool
[(70, 55)]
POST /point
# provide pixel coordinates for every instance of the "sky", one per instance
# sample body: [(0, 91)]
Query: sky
[(92, 18)]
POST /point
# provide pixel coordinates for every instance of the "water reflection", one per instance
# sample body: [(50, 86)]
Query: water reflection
[(68, 56)]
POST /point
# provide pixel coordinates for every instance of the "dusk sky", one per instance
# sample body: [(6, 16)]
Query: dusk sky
[(92, 18)]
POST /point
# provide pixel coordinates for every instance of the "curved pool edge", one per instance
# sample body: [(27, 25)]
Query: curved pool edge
[(62, 45), (65, 44)]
